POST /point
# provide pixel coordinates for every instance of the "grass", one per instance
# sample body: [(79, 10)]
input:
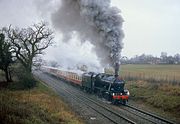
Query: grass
[(153, 73), (155, 86), (39, 105), (163, 97)]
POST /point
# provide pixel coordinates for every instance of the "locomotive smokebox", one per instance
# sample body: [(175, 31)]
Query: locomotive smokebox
[(116, 70)]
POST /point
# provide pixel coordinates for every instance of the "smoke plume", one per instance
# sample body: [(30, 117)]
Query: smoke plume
[(94, 21)]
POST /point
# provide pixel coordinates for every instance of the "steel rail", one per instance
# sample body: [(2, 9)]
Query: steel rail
[(150, 114)]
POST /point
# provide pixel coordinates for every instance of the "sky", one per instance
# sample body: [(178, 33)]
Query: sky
[(150, 26)]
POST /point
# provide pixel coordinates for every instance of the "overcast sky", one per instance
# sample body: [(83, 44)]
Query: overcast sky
[(151, 26)]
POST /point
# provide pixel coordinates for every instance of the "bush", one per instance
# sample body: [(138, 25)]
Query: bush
[(25, 79)]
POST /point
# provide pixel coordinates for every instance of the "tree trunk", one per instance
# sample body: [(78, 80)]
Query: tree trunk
[(10, 77), (7, 75), (30, 65), (29, 68)]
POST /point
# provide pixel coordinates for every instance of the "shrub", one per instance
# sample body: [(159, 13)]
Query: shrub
[(25, 79)]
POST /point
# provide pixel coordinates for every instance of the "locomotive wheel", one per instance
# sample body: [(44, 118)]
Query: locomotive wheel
[(106, 96), (89, 90), (114, 102), (124, 102), (82, 88), (100, 94)]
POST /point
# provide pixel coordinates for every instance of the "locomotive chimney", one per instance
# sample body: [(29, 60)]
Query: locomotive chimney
[(117, 69)]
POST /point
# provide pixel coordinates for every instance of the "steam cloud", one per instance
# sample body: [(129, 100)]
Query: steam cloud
[(94, 21)]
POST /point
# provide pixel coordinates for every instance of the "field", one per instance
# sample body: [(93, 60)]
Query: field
[(153, 73), (156, 86)]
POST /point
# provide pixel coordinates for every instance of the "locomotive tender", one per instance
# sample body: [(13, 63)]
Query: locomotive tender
[(106, 85)]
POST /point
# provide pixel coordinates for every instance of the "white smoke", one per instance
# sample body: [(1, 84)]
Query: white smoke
[(93, 21), (73, 55)]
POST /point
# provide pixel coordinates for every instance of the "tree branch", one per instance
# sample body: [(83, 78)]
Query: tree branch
[(27, 43)]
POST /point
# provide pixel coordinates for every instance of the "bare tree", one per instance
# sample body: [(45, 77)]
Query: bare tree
[(5, 57), (29, 42)]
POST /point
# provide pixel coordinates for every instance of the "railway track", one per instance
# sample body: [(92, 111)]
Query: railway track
[(147, 115), (152, 118), (143, 114), (114, 117)]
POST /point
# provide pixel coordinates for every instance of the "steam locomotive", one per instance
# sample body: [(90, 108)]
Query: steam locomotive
[(105, 85)]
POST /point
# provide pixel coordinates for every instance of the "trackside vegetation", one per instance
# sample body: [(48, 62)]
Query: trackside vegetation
[(156, 86), (38, 105)]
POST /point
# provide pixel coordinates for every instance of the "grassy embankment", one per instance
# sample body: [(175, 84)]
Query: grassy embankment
[(154, 85), (40, 105)]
